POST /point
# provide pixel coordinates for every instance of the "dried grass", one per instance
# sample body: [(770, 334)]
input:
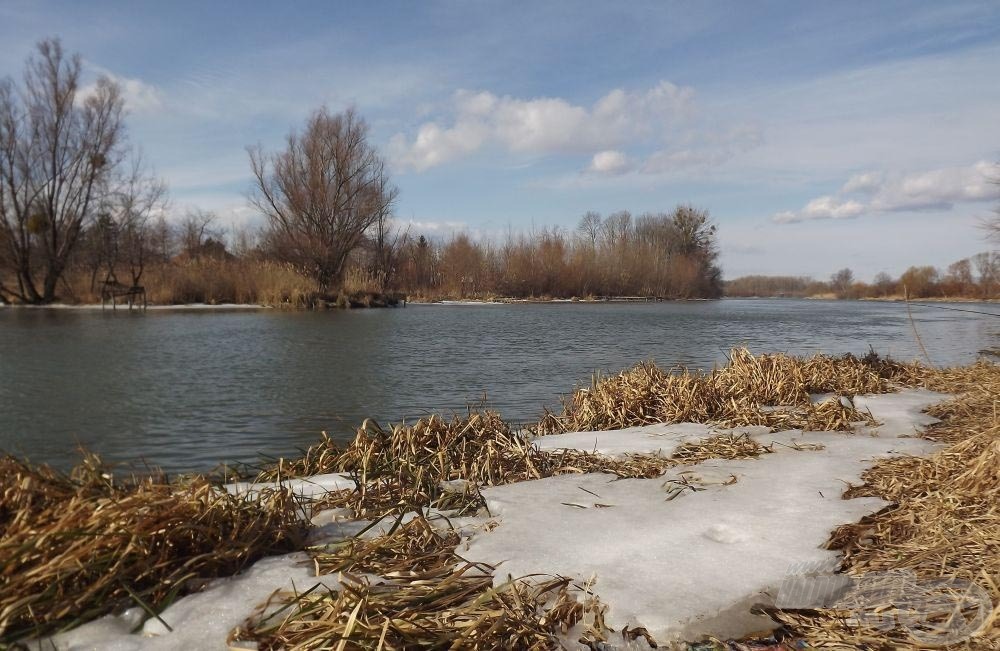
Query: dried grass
[(769, 390), (425, 596), (406, 467), (944, 521), (74, 547)]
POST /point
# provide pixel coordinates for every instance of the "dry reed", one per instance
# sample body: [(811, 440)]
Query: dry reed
[(406, 467), (944, 522), (73, 547), (423, 596), (769, 390)]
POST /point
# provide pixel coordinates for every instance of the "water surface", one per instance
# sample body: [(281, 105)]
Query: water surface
[(189, 389)]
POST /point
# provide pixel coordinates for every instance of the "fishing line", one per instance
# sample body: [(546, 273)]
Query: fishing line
[(953, 309)]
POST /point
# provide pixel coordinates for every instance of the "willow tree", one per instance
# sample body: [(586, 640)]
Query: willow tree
[(322, 193), (59, 148)]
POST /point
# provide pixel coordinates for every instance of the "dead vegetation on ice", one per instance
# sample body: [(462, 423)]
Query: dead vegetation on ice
[(666, 533)]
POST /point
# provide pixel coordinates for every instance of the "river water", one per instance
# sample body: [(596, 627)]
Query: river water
[(186, 390)]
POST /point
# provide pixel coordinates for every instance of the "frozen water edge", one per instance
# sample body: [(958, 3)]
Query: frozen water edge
[(692, 565), (199, 621), (661, 440), (682, 567)]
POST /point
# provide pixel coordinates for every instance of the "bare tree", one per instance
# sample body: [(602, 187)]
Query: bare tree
[(58, 150), (136, 199), (195, 230), (590, 227), (322, 193), (841, 282), (388, 240), (992, 224)]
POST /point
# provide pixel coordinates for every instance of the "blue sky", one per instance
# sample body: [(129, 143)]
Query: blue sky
[(819, 135)]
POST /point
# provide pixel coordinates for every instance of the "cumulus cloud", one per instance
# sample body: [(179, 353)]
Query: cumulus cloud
[(543, 125), (827, 207), (938, 189), (865, 182), (609, 161), (876, 192), (139, 96)]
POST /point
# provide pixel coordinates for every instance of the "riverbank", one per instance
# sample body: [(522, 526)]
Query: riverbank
[(700, 477), (353, 300)]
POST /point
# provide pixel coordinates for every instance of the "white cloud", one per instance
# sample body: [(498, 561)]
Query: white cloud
[(609, 161), (827, 207), (865, 182), (139, 96), (938, 189), (544, 125)]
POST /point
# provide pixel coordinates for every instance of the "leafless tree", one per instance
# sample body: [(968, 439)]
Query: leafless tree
[(195, 230), (322, 193), (617, 227), (137, 197), (58, 151), (388, 240), (590, 227), (992, 224), (841, 282)]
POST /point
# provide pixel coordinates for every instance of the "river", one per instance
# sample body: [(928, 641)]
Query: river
[(186, 389)]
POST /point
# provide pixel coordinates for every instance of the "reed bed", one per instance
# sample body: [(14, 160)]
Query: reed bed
[(944, 522), (769, 390), (74, 547), (411, 590), (409, 467)]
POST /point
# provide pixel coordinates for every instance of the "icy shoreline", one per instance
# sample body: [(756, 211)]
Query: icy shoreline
[(124, 306), (684, 554)]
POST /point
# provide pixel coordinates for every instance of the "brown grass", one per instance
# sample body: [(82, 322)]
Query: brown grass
[(741, 393), (944, 520), (74, 547), (207, 280), (403, 468), (426, 597)]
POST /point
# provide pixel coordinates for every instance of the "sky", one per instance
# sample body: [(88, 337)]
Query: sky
[(817, 135)]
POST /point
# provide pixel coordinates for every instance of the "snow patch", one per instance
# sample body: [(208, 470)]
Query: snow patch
[(199, 621), (661, 440), (690, 563), (310, 487)]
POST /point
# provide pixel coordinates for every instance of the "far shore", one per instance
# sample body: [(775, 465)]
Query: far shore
[(488, 301)]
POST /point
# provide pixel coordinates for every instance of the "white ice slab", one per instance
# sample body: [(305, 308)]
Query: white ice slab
[(693, 565), (199, 621), (661, 440), (315, 486)]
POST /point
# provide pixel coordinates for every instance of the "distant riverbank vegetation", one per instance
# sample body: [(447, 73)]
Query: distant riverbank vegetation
[(974, 278), (666, 255), (83, 219)]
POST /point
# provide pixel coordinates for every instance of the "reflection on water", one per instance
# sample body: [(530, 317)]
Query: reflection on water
[(187, 390)]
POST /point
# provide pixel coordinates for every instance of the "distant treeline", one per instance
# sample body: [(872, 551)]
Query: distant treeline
[(666, 255), (974, 277)]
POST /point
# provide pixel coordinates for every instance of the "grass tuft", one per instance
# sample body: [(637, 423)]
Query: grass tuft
[(74, 547)]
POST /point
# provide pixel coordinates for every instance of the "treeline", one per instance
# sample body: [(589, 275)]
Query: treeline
[(976, 277), (666, 255), (80, 218)]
